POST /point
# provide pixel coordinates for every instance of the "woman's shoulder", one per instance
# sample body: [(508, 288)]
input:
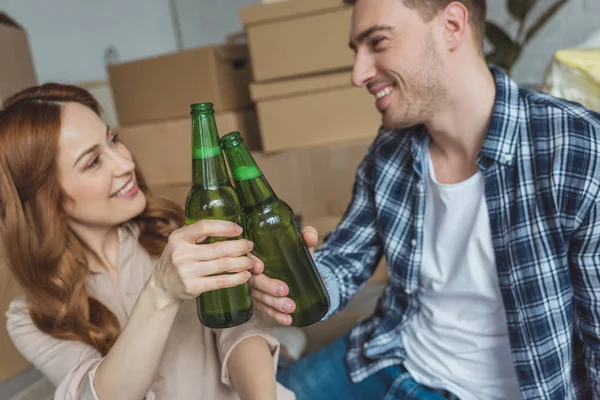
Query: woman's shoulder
[(18, 308)]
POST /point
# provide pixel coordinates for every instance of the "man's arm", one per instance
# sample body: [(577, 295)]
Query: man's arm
[(584, 259), (352, 251)]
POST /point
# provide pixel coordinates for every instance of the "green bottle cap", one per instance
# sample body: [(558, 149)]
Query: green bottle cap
[(205, 152), (246, 172)]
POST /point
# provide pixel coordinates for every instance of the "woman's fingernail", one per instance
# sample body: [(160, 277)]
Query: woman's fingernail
[(247, 275), (279, 290), (250, 245), (238, 228)]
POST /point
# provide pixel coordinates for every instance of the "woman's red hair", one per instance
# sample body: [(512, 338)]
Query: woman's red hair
[(45, 256)]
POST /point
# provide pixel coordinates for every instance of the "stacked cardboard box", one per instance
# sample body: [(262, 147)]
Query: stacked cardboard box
[(152, 97), (16, 73), (302, 69), (16, 64)]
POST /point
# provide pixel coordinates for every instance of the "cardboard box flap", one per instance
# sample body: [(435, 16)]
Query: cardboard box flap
[(6, 20), (292, 87), (261, 13)]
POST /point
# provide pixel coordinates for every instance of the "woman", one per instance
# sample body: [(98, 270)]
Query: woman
[(110, 281)]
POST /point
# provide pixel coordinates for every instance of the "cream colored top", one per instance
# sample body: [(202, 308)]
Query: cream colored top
[(194, 361)]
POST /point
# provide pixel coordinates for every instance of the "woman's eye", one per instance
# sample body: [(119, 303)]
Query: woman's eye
[(94, 163), (114, 139)]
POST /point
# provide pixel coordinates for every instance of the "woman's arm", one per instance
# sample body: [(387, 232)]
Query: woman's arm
[(251, 371), (130, 367), (184, 271), (79, 371)]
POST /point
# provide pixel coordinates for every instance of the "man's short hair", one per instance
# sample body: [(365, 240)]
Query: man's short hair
[(428, 9)]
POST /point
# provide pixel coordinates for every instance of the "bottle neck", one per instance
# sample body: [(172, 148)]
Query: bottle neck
[(208, 165), (253, 188)]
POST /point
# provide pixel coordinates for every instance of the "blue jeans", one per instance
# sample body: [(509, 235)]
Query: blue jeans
[(323, 375)]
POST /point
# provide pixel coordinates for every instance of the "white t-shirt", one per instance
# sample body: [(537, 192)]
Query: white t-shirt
[(458, 338)]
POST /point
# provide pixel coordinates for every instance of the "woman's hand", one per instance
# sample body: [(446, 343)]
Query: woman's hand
[(187, 269)]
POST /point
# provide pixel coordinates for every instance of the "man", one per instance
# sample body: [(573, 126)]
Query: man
[(485, 200)]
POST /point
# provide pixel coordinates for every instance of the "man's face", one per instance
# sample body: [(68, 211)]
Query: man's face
[(397, 60)]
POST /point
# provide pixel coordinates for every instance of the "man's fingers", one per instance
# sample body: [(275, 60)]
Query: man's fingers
[(283, 304), (274, 287), (282, 319), (259, 266), (311, 237)]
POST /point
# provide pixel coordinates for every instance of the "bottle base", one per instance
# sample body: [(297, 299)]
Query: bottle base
[(225, 320), (310, 315)]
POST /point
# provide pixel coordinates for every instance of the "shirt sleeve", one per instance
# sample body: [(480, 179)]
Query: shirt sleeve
[(69, 365), (351, 252), (584, 259)]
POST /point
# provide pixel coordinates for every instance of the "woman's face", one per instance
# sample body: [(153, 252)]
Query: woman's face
[(96, 171)]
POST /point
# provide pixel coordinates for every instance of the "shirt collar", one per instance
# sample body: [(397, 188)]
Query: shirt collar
[(128, 230), (508, 120)]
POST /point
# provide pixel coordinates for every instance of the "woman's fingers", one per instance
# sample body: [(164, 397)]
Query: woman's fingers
[(205, 284)]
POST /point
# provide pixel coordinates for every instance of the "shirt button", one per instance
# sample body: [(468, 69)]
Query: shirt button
[(366, 345), (407, 291), (413, 242), (508, 157)]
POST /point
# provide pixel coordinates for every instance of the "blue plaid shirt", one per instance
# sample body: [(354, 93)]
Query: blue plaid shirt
[(541, 166)]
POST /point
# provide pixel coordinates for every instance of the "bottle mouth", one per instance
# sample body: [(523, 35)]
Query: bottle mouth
[(231, 139), (201, 107)]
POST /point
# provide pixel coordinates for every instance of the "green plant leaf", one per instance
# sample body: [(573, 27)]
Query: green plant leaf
[(497, 36), (520, 8), (545, 17)]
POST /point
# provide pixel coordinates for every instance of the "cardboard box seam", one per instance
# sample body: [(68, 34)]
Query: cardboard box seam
[(284, 96)]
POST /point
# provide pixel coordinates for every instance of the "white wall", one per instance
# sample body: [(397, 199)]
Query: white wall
[(209, 21)]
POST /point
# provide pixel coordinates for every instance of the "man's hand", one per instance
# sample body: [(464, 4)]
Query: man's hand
[(270, 294)]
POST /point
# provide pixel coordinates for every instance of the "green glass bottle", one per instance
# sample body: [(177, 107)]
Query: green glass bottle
[(213, 197), (270, 225)]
